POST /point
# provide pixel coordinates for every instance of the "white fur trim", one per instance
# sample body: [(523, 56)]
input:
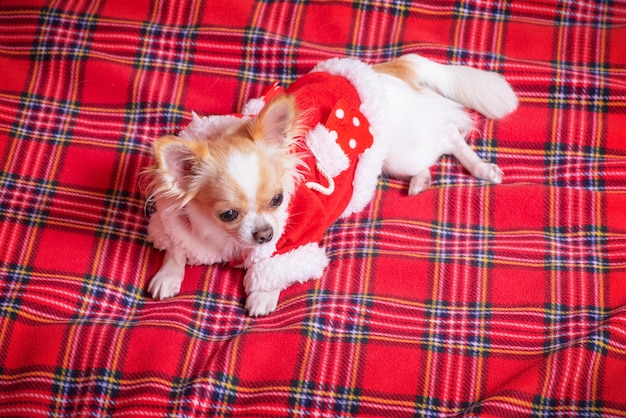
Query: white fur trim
[(327, 152), (208, 126), (253, 107), (276, 273), (374, 106)]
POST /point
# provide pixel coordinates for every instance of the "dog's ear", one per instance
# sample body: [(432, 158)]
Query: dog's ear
[(277, 120), (177, 161)]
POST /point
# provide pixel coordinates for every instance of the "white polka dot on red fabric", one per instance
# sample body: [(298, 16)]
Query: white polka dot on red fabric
[(334, 135), (356, 121), (339, 113), (352, 143)]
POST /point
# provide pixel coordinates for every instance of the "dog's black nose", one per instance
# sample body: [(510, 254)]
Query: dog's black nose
[(263, 235)]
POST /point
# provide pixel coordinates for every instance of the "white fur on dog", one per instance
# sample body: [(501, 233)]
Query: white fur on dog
[(411, 127)]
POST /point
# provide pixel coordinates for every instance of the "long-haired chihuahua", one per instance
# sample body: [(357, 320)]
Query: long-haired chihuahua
[(259, 189)]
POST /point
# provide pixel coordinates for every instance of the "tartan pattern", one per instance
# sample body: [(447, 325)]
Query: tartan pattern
[(469, 299)]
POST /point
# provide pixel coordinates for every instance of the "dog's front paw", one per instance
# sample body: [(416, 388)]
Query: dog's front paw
[(262, 303), (165, 285), (420, 183)]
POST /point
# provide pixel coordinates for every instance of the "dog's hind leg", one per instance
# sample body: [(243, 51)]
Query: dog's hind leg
[(470, 160)]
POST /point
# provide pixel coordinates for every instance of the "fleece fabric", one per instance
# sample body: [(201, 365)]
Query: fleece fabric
[(467, 300)]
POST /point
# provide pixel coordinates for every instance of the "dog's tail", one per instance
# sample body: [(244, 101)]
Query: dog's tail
[(487, 92)]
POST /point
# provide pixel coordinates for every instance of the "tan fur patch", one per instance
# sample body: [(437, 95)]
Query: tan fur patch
[(402, 69)]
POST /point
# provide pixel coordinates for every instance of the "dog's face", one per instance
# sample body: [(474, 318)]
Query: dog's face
[(241, 180)]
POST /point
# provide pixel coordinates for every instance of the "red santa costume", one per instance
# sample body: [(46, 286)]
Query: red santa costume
[(344, 149)]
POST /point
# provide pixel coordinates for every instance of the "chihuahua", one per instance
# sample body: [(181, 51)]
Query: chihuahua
[(259, 189)]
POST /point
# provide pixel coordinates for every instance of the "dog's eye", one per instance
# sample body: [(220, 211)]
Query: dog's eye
[(229, 215), (277, 200)]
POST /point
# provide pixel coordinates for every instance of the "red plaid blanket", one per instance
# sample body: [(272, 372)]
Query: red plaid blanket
[(467, 299)]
